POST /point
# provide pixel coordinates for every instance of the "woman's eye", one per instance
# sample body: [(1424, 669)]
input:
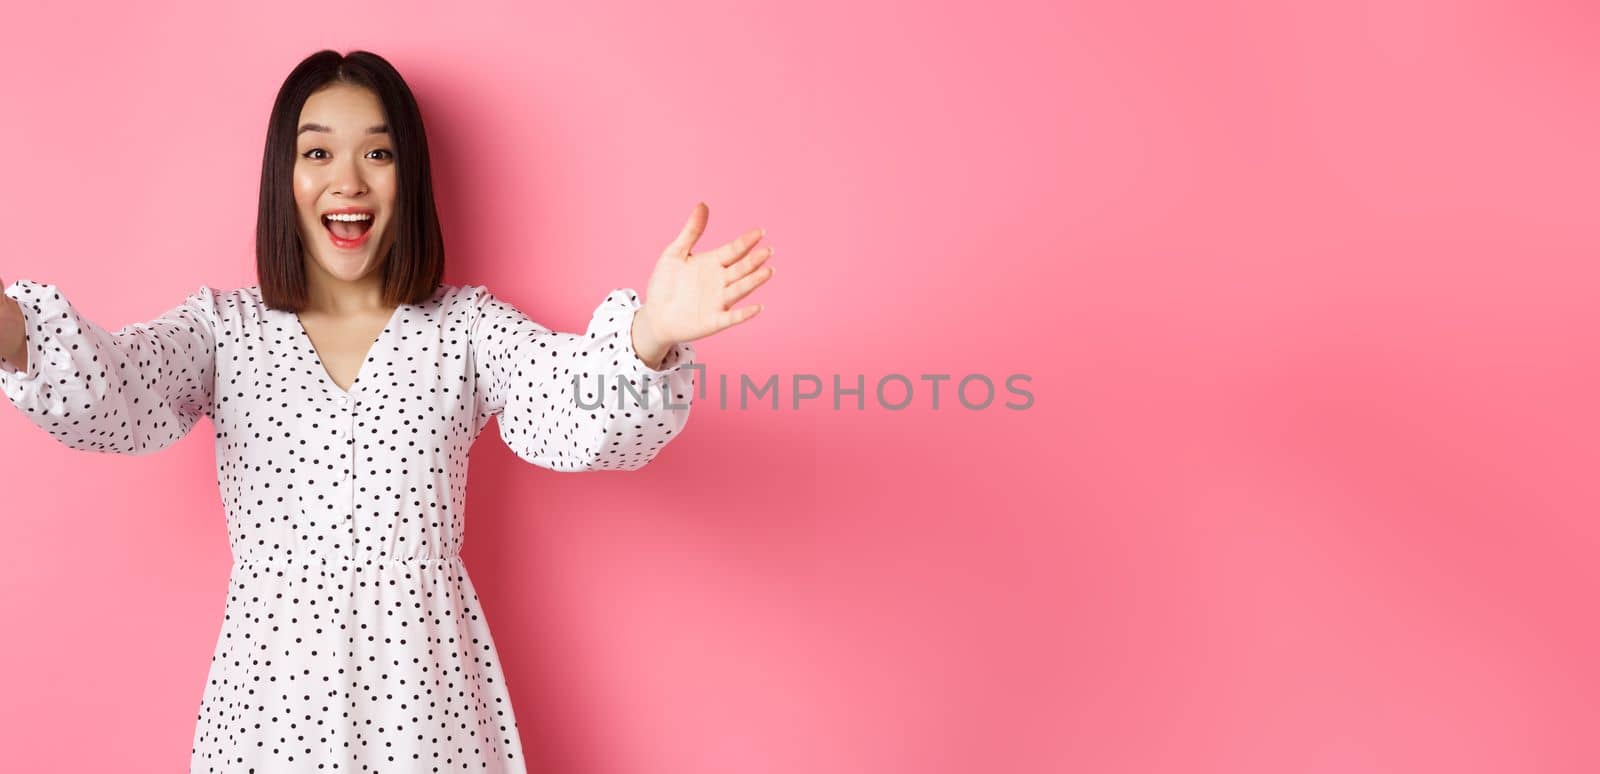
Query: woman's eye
[(387, 154)]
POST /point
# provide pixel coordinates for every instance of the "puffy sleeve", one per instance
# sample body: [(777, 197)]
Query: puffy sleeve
[(133, 391), (622, 412)]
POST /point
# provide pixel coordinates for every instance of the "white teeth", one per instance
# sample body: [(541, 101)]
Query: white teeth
[(350, 218)]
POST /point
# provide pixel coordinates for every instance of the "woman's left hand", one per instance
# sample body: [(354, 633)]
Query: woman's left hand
[(690, 295)]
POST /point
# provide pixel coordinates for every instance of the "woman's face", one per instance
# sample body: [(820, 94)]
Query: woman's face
[(345, 161)]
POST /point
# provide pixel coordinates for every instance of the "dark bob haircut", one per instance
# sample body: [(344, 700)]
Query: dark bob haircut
[(415, 264)]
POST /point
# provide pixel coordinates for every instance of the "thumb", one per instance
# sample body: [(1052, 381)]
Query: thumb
[(691, 232)]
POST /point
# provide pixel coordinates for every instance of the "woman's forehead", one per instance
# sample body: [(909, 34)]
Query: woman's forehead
[(342, 110)]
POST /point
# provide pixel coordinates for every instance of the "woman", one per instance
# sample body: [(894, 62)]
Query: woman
[(346, 390)]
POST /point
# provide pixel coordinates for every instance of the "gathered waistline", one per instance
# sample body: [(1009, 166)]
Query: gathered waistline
[(343, 562)]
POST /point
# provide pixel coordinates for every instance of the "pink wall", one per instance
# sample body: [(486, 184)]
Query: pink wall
[(1306, 292)]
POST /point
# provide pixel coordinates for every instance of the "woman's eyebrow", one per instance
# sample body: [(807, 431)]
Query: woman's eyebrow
[(308, 127)]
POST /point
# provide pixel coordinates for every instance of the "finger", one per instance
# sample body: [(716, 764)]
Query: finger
[(691, 230), (749, 263), (736, 249), (734, 317), (732, 293)]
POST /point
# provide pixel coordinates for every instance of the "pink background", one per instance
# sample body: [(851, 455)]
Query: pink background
[(1306, 292)]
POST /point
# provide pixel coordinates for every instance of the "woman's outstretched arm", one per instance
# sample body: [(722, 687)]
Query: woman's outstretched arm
[(613, 396), (136, 390), (619, 417)]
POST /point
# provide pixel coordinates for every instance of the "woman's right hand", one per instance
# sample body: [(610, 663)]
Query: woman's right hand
[(13, 338)]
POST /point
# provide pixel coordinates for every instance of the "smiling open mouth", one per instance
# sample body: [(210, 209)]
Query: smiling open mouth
[(348, 230)]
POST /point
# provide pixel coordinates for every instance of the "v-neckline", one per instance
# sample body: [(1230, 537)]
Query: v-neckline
[(361, 370)]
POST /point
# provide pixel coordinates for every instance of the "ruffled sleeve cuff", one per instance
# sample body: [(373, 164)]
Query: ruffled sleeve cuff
[(626, 302), (34, 299)]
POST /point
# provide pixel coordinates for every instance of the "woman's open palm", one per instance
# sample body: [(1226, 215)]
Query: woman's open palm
[(691, 295)]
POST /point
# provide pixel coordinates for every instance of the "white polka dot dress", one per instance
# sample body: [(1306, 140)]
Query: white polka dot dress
[(352, 639)]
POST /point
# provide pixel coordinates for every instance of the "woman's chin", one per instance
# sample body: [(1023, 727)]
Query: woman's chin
[(346, 265)]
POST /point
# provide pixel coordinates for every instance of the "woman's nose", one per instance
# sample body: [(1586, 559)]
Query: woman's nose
[(347, 181)]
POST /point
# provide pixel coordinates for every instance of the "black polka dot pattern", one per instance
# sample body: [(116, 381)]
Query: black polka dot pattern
[(352, 638)]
